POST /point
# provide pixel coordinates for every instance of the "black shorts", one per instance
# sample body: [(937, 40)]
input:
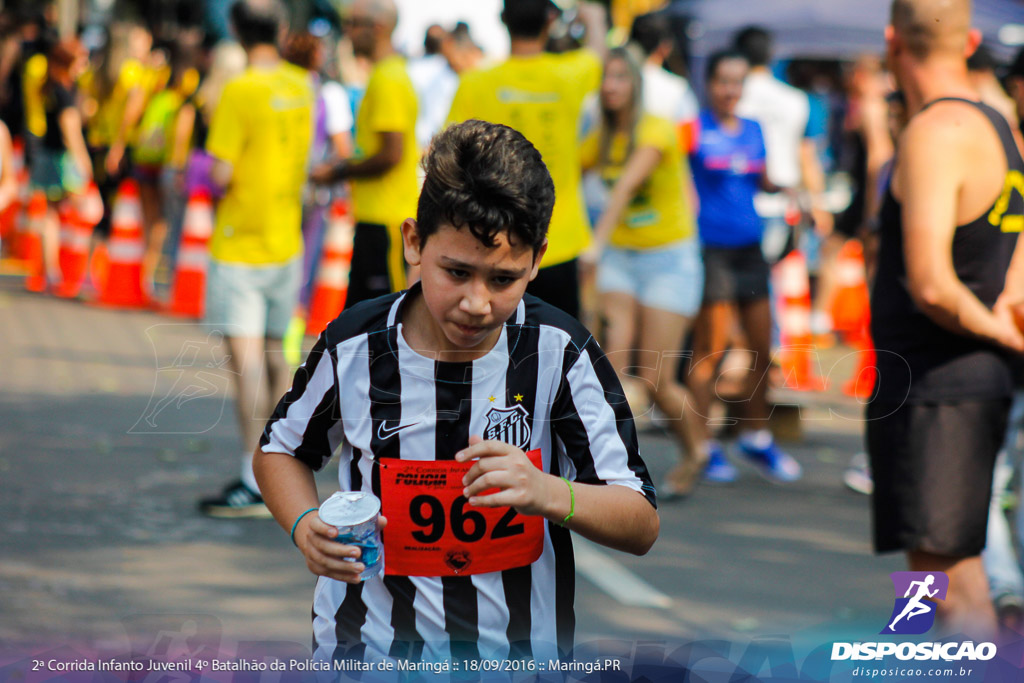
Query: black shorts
[(932, 466), (378, 262), (737, 274)]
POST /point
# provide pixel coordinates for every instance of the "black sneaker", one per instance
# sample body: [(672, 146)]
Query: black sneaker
[(236, 501)]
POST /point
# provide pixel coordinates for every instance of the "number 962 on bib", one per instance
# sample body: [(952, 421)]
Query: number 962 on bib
[(434, 531)]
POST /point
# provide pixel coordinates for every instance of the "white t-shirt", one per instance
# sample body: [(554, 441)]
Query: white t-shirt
[(435, 83), (668, 95), (337, 107), (782, 111)]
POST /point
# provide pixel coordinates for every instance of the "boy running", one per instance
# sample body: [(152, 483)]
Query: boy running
[(461, 368)]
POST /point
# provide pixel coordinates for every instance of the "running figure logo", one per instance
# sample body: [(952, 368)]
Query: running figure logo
[(911, 614)]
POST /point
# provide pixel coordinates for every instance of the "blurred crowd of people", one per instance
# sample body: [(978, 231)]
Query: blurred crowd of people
[(672, 205)]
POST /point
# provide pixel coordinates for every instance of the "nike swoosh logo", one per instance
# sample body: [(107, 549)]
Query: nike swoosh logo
[(385, 432)]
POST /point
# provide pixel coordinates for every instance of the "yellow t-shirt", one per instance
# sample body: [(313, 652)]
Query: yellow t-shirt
[(541, 96), (660, 212), (389, 106), (32, 90), (104, 125), (263, 127), (154, 139)]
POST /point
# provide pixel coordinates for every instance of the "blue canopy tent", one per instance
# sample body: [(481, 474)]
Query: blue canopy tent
[(826, 29)]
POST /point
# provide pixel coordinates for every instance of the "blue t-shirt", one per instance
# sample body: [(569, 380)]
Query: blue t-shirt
[(727, 168), (817, 128)]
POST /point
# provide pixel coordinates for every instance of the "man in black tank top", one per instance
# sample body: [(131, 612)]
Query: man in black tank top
[(949, 280)]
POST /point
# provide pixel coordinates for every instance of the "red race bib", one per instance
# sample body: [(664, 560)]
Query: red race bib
[(433, 531)]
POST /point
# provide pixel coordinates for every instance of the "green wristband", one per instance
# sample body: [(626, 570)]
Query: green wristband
[(296, 525), (572, 501)]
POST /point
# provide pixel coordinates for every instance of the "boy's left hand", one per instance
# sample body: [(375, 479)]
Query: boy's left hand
[(503, 466)]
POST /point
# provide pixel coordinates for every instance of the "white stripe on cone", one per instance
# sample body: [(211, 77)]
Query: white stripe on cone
[(339, 239), (75, 239), (849, 272), (126, 211), (795, 321), (791, 277), (192, 257), (198, 220), (125, 251), (333, 275)]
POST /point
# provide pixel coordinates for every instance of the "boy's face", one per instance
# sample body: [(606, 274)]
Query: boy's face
[(469, 289)]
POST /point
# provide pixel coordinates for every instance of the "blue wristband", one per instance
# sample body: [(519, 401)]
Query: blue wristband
[(296, 525)]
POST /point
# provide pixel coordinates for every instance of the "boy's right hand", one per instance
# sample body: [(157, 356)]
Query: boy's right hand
[(325, 556)]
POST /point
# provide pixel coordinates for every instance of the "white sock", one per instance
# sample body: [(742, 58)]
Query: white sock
[(757, 438), (248, 476), (821, 322)]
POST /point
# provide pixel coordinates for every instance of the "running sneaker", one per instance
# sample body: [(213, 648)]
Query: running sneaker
[(719, 470), (772, 462), (858, 475), (236, 501)]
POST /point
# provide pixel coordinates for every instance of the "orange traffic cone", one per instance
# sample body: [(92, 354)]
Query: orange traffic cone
[(99, 264), (31, 243), (797, 354), (75, 236), (332, 276), (90, 205), (21, 217), (851, 303), (862, 382), (189, 290), (123, 285), (851, 315), (9, 216)]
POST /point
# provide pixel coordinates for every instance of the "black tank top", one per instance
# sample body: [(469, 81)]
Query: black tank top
[(917, 359)]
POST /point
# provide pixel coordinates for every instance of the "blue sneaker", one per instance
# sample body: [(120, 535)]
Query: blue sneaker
[(719, 470), (771, 462)]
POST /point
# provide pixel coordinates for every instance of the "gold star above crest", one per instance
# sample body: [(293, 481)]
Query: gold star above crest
[(492, 399), (518, 397)]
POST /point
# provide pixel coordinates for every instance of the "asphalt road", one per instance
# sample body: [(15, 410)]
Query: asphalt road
[(114, 423)]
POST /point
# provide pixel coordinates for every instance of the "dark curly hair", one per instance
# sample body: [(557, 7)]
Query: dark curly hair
[(488, 178)]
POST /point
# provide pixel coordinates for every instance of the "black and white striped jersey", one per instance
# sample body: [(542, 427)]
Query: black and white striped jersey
[(363, 392)]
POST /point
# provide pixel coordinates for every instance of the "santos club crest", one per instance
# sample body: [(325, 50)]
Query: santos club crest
[(509, 425)]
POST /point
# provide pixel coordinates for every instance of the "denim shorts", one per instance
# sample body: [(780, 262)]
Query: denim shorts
[(252, 301), (55, 173), (669, 278)]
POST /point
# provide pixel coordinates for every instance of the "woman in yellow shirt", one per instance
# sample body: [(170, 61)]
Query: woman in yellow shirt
[(649, 271)]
